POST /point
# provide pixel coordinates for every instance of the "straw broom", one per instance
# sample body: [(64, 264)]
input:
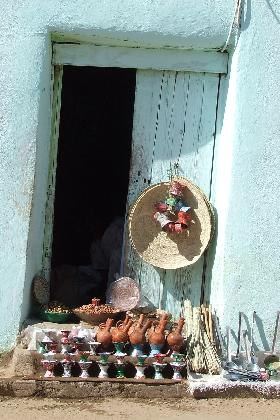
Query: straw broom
[(202, 354), (197, 355), (212, 360)]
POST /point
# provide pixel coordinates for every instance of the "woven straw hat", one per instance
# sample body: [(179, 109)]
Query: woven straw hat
[(170, 250)]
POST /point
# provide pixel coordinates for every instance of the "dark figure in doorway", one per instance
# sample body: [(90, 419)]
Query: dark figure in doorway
[(106, 253), (76, 286)]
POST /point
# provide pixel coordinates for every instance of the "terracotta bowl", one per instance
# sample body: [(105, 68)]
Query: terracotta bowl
[(96, 319)]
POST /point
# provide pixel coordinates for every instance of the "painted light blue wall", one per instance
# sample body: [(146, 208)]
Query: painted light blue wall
[(246, 187), (25, 60), (246, 151)]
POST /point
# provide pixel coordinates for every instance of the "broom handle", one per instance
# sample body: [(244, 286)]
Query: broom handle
[(239, 334), (275, 333)]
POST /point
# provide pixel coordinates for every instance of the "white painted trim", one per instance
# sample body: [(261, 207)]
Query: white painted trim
[(140, 58)]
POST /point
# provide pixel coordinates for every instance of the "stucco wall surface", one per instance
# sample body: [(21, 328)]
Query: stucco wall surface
[(191, 24), (25, 87), (246, 188), (25, 62)]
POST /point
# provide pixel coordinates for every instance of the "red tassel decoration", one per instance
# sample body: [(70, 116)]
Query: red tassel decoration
[(184, 217), (176, 188)]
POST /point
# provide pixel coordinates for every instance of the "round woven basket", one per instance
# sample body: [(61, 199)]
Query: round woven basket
[(170, 250)]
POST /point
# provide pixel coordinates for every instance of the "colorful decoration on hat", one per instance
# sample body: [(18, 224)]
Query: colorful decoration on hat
[(173, 214)]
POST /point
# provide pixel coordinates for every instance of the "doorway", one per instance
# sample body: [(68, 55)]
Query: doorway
[(92, 176)]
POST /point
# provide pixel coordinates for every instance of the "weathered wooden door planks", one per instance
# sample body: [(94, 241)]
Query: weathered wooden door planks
[(174, 122)]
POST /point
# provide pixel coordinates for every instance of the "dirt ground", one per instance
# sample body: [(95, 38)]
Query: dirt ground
[(136, 409)]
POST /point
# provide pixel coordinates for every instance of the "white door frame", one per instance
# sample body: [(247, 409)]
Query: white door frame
[(140, 58)]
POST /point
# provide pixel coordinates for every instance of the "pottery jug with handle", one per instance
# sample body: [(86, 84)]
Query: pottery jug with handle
[(175, 339), (137, 336), (126, 320), (157, 336), (157, 333), (104, 335), (137, 324), (120, 333)]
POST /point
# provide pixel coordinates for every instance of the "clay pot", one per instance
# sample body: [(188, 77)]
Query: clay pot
[(120, 333), (138, 324), (95, 302), (137, 336), (174, 338), (126, 320), (157, 333), (103, 335)]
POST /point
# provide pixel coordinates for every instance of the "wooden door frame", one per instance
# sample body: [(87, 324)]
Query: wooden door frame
[(106, 56), (56, 87)]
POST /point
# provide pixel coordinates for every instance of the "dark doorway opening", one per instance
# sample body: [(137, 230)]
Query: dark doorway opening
[(91, 180)]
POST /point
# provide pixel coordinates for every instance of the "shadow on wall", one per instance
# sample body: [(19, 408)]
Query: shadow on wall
[(258, 332), (246, 14), (276, 17), (208, 262)]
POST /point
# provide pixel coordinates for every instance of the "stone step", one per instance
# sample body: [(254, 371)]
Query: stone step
[(75, 388), (72, 388)]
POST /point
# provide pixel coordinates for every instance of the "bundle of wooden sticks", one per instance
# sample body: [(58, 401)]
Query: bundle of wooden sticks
[(202, 339)]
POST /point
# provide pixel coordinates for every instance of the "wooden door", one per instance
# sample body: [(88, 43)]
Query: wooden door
[(174, 122)]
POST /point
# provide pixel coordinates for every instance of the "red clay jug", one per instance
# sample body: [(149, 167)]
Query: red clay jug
[(127, 319), (137, 336), (157, 334), (103, 335), (174, 338), (137, 324), (120, 333)]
